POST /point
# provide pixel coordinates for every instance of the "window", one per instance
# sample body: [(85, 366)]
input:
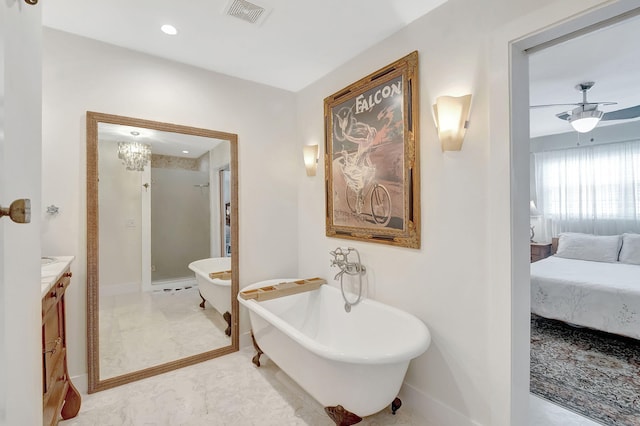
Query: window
[(594, 189)]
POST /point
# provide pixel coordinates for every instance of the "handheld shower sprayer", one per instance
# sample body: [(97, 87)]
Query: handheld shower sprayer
[(341, 260)]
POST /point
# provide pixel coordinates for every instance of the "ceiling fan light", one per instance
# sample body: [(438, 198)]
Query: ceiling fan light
[(585, 121)]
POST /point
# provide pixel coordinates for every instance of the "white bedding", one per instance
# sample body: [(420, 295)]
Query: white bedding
[(599, 295)]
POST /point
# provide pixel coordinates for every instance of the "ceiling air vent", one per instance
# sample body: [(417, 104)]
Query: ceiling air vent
[(246, 11)]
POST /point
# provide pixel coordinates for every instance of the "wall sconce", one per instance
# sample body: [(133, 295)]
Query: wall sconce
[(310, 153), (452, 120)]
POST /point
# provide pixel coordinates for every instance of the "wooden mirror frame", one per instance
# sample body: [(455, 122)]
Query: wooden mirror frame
[(95, 384)]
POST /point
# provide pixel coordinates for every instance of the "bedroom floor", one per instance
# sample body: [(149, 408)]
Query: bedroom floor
[(231, 391)]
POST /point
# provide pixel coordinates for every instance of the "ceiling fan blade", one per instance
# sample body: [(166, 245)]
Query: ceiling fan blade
[(563, 115), (552, 105), (576, 104), (622, 114)]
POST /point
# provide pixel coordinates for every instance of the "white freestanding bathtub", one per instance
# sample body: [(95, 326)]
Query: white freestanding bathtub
[(215, 291), (356, 360)]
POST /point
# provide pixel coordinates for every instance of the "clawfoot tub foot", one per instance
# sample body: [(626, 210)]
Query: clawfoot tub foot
[(256, 358), (202, 304), (395, 405), (227, 318), (341, 416)]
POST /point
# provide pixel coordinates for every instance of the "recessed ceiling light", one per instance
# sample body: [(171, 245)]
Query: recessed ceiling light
[(185, 152), (169, 29)]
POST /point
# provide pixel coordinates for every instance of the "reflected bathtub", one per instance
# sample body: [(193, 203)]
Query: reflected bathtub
[(356, 361), (215, 291)]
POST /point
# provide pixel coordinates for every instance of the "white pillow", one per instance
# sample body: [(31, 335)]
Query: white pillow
[(630, 252), (599, 248)]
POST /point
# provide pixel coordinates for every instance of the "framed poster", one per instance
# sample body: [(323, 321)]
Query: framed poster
[(371, 157)]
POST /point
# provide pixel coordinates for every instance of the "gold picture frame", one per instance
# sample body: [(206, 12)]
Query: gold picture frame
[(372, 172)]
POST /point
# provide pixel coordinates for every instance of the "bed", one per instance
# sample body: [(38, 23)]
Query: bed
[(591, 281)]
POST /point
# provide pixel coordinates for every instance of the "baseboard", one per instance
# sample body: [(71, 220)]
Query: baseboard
[(172, 284), (134, 287), (432, 411)]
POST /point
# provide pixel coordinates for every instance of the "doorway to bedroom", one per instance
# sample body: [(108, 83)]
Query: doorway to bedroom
[(585, 222)]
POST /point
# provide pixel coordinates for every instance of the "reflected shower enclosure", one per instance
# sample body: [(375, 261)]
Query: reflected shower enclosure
[(162, 217), (180, 222)]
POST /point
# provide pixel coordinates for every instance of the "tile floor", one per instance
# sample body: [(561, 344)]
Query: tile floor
[(139, 330), (545, 413), (231, 391), (226, 391)]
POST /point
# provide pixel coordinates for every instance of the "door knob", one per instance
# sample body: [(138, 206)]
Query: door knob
[(19, 211)]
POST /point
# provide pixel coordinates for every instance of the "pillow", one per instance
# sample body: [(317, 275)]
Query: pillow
[(598, 248), (630, 252)]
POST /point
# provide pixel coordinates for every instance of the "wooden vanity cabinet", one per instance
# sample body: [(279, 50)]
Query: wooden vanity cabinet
[(60, 397)]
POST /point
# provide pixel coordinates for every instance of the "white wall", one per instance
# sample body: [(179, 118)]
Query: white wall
[(20, 144), (459, 282), (120, 255), (81, 74), (621, 132)]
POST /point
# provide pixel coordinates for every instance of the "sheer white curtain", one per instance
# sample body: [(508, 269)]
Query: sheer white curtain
[(594, 189)]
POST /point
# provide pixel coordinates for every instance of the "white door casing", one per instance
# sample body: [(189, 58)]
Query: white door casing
[(20, 177)]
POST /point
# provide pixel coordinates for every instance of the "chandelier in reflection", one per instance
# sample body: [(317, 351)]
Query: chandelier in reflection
[(134, 155)]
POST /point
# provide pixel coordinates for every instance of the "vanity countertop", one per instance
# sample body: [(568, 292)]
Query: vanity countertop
[(52, 271)]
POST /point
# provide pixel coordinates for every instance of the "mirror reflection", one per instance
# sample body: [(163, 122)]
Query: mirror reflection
[(164, 277)]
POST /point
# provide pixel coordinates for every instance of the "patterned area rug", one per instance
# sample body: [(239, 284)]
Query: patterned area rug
[(592, 373)]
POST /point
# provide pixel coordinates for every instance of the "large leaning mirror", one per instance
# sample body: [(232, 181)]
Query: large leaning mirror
[(162, 247)]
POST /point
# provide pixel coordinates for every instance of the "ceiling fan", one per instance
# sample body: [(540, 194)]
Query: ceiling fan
[(586, 116)]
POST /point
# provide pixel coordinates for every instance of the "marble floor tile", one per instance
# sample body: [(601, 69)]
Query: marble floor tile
[(231, 391), (227, 391), (545, 413), (139, 330)]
